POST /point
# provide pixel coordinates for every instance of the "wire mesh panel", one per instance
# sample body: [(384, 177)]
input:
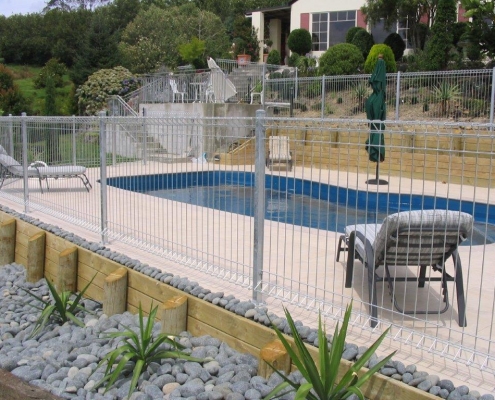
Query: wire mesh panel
[(183, 186)]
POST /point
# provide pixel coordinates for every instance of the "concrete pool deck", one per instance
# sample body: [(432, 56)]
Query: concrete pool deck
[(229, 237)]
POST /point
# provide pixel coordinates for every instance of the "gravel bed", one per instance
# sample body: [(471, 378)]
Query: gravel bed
[(63, 359)]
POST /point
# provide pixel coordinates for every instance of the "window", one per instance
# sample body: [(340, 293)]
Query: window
[(340, 23), (331, 28), (380, 33), (320, 32)]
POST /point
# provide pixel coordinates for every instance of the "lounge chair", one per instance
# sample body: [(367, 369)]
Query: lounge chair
[(425, 238), (279, 152), (10, 168)]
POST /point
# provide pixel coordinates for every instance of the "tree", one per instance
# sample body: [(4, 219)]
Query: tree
[(51, 135), (11, 99), (153, 38), (441, 41), (194, 53), (68, 5), (481, 29), (411, 12)]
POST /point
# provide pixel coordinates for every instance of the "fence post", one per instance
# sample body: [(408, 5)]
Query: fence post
[(11, 136), (74, 157), (492, 99), (145, 139), (263, 88), (296, 84), (323, 96), (259, 203), (25, 161), (114, 141), (397, 97), (103, 178)]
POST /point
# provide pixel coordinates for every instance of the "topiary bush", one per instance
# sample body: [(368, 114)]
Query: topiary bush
[(364, 41), (299, 41), (273, 57), (93, 94), (397, 44), (388, 57), (341, 59), (352, 32)]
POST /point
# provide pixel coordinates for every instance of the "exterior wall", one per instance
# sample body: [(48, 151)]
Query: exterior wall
[(258, 23)]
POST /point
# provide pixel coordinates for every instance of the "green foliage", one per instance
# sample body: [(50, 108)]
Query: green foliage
[(481, 26), (273, 57), (352, 32), (141, 348), (397, 44), (6, 78), (388, 57), (321, 380), (299, 41), (441, 40), (364, 41), (245, 38), (341, 59), (92, 96), (53, 70), (60, 309), (445, 93), (152, 39), (12, 101), (306, 66), (292, 61), (193, 52)]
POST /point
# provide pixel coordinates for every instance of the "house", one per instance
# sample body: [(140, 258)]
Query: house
[(327, 21)]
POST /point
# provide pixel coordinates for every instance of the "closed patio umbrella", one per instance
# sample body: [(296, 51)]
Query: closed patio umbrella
[(376, 111)]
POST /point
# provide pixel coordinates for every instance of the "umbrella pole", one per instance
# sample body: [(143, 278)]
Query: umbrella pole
[(377, 180)]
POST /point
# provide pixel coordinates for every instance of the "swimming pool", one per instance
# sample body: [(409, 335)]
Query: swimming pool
[(297, 201)]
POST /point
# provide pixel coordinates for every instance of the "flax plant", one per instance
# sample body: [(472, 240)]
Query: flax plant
[(141, 348), (60, 308), (321, 379)]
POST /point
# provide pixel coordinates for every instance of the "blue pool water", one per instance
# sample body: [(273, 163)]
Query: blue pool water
[(297, 201)]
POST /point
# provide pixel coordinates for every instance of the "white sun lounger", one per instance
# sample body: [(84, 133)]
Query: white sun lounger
[(10, 168)]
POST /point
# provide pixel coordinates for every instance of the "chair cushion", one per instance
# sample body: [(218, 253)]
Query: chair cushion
[(61, 170), (426, 220), (11, 164)]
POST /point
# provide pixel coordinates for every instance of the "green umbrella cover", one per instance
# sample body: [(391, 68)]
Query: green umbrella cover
[(376, 110)]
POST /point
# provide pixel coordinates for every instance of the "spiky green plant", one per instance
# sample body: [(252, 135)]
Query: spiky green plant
[(141, 348), (321, 380), (445, 93), (60, 308)]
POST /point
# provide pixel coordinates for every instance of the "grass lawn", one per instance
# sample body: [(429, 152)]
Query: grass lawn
[(24, 77)]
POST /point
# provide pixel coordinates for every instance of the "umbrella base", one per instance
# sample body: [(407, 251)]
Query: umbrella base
[(376, 182)]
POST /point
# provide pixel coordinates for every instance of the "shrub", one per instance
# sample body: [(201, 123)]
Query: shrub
[(93, 94), (53, 69), (352, 32), (388, 57), (341, 59), (273, 57), (397, 44), (299, 41), (12, 100), (306, 65), (364, 41), (293, 59)]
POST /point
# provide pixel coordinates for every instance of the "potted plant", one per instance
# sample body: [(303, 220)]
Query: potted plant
[(239, 48)]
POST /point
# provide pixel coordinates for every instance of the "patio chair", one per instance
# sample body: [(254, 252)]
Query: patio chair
[(11, 169), (278, 152), (175, 91), (425, 238)]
